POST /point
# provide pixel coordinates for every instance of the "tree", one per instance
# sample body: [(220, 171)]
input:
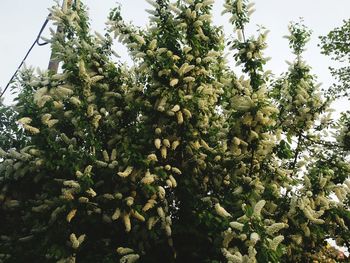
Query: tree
[(177, 159), (10, 134), (336, 45)]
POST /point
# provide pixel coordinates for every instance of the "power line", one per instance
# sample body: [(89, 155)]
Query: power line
[(28, 52)]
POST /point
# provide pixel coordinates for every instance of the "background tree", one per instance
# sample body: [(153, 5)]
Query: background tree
[(177, 159), (336, 45), (11, 136)]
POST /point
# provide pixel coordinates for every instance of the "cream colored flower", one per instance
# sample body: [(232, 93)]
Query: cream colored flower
[(221, 211), (166, 143), (124, 250), (105, 156), (175, 108), (161, 192), (173, 82), (163, 152), (127, 223), (31, 129), (258, 207), (101, 163), (116, 214), (25, 120), (91, 192), (76, 242), (71, 215), (236, 225), (151, 222), (72, 184), (173, 181), (137, 215), (75, 101), (275, 242), (52, 122), (129, 201), (274, 228), (148, 178), (174, 145), (254, 237), (126, 172), (180, 118), (168, 230), (187, 113), (150, 204), (157, 143), (152, 157), (139, 39), (153, 44), (176, 170), (161, 213), (131, 258)]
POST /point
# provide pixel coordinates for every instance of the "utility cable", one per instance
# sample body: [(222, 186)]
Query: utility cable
[(28, 52)]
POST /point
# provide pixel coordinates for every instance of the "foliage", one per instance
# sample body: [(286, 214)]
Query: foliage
[(336, 44), (328, 254), (177, 159), (11, 135)]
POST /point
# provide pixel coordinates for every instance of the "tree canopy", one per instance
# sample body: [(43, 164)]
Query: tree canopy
[(182, 157), (337, 45)]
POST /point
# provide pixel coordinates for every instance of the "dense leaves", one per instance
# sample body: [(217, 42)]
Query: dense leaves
[(176, 159), (337, 45)]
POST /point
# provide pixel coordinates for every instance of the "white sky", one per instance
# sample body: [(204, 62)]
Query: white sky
[(20, 21)]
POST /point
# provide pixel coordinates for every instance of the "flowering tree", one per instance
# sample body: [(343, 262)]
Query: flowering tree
[(10, 134), (177, 159)]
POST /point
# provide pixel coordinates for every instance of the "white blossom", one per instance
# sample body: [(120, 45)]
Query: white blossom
[(254, 237), (31, 129), (148, 178), (25, 120), (150, 204), (237, 225), (152, 157), (163, 152), (161, 192), (173, 181), (124, 250), (174, 145), (127, 223), (175, 108), (161, 213), (275, 242), (173, 82), (151, 222), (187, 113), (258, 207), (116, 214), (76, 242), (274, 228), (138, 216), (131, 258), (179, 116), (221, 211), (71, 215), (176, 170), (139, 39), (126, 172)]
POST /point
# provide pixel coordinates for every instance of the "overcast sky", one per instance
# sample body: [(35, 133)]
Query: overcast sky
[(20, 21)]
